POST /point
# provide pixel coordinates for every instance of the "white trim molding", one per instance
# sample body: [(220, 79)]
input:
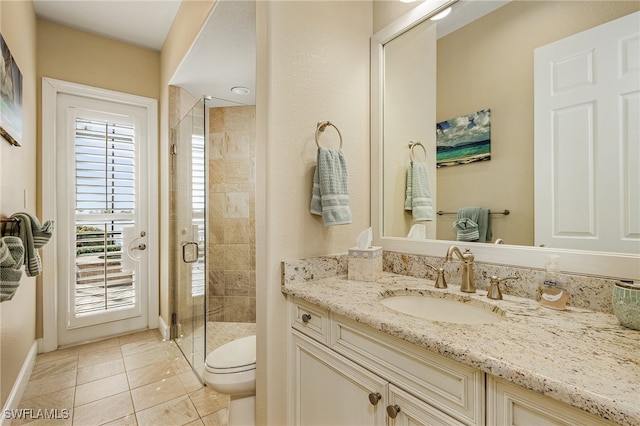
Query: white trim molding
[(19, 386), (51, 88)]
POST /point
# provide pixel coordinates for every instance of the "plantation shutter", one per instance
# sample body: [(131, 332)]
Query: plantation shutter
[(198, 198), (104, 208)]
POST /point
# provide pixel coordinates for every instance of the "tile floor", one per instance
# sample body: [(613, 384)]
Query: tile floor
[(137, 379)]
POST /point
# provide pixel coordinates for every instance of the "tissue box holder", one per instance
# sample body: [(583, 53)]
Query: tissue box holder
[(365, 264)]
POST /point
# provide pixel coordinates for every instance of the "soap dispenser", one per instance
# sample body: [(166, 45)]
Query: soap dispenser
[(553, 290)]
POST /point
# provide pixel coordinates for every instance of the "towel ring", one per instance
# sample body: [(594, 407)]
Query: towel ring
[(322, 125), (413, 145)]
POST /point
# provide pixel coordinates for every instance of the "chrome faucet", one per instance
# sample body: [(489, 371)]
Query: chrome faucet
[(467, 285)]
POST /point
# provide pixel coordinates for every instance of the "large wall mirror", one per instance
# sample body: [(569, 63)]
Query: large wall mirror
[(480, 57)]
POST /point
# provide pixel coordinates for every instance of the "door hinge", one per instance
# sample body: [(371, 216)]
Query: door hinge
[(174, 149)]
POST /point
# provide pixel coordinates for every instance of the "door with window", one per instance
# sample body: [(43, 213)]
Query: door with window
[(102, 212)]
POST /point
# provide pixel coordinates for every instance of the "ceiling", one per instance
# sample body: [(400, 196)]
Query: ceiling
[(143, 23), (222, 56)]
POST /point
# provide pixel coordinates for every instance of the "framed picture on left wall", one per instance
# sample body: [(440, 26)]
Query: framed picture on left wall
[(11, 99)]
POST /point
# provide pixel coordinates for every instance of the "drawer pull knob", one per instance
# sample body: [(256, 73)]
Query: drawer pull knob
[(393, 410), (306, 318), (374, 398)]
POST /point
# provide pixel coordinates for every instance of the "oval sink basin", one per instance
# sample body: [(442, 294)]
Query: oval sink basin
[(444, 310)]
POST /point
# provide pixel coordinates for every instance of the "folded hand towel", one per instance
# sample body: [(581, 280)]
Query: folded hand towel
[(418, 197), (33, 236), (11, 260), (473, 224), (466, 224), (330, 195)]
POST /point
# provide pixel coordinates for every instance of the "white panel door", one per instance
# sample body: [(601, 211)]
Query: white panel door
[(102, 210), (587, 139)]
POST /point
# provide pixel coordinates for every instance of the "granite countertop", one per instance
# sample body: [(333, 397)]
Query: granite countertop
[(580, 357)]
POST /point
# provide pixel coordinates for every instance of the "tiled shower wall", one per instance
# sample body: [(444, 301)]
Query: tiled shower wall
[(231, 217)]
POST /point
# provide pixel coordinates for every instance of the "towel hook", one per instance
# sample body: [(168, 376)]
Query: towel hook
[(322, 125), (413, 145)]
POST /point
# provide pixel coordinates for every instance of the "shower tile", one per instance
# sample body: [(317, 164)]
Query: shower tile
[(216, 232), (217, 145), (216, 172), (216, 283), (237, 257), (237, 205), (237, 231), (237, 171), (236, 283), (216, 205), (218, 255), (238, 144), (236, 308)]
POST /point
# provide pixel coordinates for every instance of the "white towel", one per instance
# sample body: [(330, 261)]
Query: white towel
[(330, 195), (418, 197)]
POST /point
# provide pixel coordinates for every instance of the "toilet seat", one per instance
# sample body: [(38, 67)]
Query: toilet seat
[(233, 357)]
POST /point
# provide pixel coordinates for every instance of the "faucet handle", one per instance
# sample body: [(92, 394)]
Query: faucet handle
[(494, 288), (441, 282)]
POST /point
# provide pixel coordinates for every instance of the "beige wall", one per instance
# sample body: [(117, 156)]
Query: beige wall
[(17, 177), (313, 65), (187, 24), (80, 57), (468, 81)]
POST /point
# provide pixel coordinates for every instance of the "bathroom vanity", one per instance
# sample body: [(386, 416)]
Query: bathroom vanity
[(355, 361)]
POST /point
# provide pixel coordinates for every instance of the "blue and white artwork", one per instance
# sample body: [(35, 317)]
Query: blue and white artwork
[(463, 140), (10, 97)]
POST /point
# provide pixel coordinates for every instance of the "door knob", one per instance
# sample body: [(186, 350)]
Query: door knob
[(140, 247), (306, 318), (374, 398), (393, 410)]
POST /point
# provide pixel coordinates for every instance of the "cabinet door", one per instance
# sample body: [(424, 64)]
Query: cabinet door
[(404, 409), (328, 389), (510, 404)]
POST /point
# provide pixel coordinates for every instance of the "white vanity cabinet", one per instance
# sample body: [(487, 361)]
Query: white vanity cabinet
[(346, 374), (510, 404)]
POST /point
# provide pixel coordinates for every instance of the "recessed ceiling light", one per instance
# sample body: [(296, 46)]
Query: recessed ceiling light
[(441, 15), (407, 1), (240, 90)]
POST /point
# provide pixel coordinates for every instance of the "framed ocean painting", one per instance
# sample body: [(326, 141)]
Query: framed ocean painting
[(463, 140), (11, 97)]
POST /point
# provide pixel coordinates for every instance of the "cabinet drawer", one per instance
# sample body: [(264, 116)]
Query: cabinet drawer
[(454, 388), (309, 320), (510, 404)]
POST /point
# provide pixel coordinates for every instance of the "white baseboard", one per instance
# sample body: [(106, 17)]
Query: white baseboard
[(164, 329), (20, 384)]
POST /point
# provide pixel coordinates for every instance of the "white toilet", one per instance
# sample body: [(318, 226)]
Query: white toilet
[(231, 370)]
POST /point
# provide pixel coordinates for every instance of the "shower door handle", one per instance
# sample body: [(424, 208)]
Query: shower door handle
[(189, 254)]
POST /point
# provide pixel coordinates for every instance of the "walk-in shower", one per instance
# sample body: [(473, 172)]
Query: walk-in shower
[(212, 202)]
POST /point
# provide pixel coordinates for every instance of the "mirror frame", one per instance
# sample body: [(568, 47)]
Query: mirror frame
[(614, 265)]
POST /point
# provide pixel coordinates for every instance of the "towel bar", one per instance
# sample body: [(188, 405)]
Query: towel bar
[(322, 125), (504, 212), (413, 145), (10, 219)]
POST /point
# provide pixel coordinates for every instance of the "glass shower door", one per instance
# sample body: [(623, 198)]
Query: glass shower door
[(188, 199)]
